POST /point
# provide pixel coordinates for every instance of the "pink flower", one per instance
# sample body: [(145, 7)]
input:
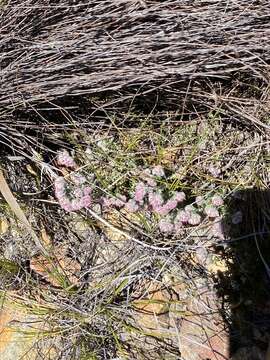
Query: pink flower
[(66, 206), (78, 193), (195, 219), (75, 204), (179, 196), (64, 159), (211, 211), (158, 171), (118, 201), (151, 182), (161, 211), (59, 187), (77, 179), (199, 200), (140, 192), (131, 206), (182, 216), (59, 183), (86, 201), (87, 190), (217, 200), (155, 200), (106, 202), (178, 227), (218, 230), (74, 199), (190, 208), (165, 226), (166, 208)]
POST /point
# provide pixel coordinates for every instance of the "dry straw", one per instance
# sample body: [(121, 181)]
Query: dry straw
[(50, 49)]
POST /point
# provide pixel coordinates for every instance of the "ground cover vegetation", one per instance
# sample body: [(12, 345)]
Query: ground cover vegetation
[(134, 179)]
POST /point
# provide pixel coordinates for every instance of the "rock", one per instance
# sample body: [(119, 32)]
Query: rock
[(117, 221), (20, 334), (203, 334), (152, 306)]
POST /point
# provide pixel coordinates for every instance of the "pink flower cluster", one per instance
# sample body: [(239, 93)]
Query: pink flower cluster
[(158, 171), (217, 200), (70, 196), (147, 197), (151, 175), (132, 206), (140, 192), (64, 159), (187, 216), (118, 201), (175, 225), (157, 204), (166, 226), (190, 214), (211, 211), (218, 229)]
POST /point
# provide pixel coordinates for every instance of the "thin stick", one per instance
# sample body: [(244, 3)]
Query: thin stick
[(15, 207)]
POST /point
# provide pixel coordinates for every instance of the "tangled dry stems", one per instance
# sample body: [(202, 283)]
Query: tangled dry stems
[(193, 56), (52, 50)]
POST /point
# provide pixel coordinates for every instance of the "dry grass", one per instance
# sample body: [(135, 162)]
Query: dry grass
[(126, 86), (61, 49), (101, 310), (168, 59)]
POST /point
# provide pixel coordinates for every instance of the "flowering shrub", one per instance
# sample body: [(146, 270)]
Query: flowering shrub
[(140, 192), (72, 196), (168, 210)]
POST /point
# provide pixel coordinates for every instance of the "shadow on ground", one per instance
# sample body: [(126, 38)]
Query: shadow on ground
[(246, 284)]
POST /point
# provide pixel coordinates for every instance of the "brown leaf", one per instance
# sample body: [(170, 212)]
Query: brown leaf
[(56, 270)]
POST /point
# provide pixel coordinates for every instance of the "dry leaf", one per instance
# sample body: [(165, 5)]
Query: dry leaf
[(31, 170), (4, 225), (155, 301), (55, 271), (46, 239)]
